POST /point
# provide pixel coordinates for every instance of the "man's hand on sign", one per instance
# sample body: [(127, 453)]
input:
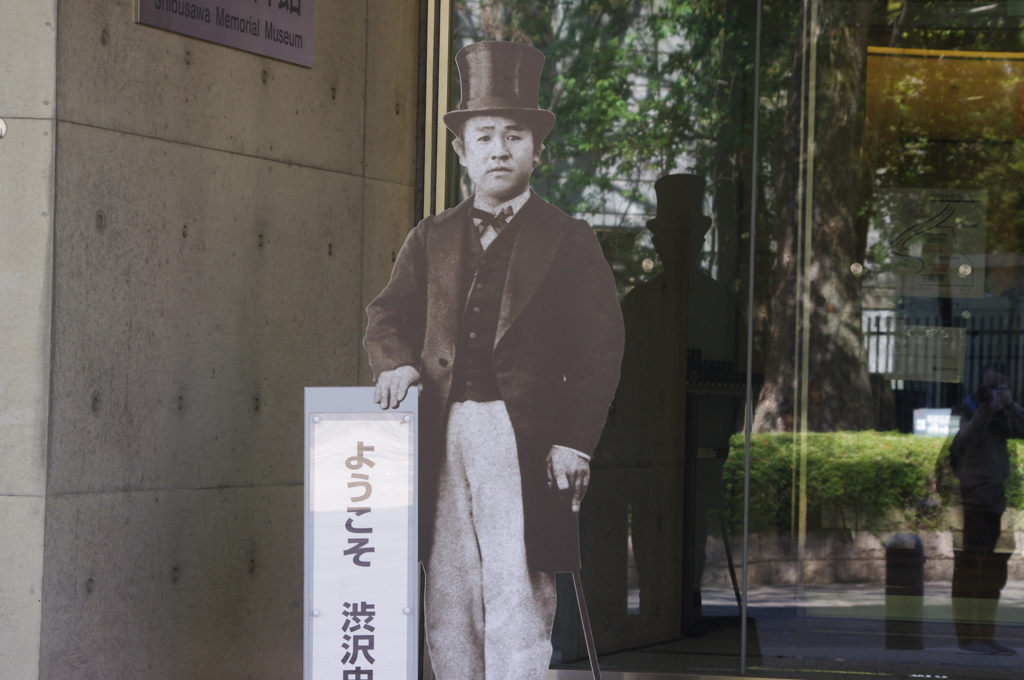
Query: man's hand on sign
[(568, 469), (392, 386)]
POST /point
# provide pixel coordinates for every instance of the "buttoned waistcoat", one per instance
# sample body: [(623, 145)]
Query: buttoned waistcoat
[(557, 353)]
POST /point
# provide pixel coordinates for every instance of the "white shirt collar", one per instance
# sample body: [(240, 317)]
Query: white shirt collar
[(514, 203)]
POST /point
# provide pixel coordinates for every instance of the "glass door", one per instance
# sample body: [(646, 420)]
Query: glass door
[(816, 230), (892, 369)]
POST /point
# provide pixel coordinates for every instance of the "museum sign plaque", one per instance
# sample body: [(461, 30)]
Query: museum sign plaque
[(280, 29)]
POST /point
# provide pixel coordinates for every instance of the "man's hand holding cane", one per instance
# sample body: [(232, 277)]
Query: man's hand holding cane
[(568, 468)]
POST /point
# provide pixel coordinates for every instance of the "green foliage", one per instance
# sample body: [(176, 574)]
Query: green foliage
[(1015, 484), (771, 474), (639, 87), (854, 480)]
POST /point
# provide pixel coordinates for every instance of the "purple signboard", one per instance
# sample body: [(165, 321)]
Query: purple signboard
[(280, 29)]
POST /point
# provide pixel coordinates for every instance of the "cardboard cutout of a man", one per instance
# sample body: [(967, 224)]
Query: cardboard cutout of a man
[(504, 310)]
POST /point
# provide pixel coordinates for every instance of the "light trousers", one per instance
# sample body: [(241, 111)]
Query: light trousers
[(488, 617)]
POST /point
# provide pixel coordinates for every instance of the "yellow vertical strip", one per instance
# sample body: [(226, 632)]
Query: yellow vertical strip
[(805, 349), (444, 69), (428, 128), (801, 178)]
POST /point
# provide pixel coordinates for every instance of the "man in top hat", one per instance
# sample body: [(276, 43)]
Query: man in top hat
[(505, 311)]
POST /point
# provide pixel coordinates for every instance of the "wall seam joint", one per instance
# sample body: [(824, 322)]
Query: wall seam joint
[(211, 148)]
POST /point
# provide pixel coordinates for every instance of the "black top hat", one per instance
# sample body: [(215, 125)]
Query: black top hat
[(680, 206), (501, 78)]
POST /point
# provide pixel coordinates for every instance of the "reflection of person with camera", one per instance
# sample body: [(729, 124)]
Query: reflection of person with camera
[(981, 461)]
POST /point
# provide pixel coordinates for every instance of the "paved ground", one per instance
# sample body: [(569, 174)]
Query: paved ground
[(827, 631)]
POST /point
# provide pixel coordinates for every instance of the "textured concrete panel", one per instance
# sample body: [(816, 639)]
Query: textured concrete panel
[(388, 215), (174, 584), (27, 86), (391, 89), (21, 571), (118, 75), (214, 246), (26, 194), (28, 53), (197, 292)]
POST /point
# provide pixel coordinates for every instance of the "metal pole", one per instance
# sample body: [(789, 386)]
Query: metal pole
[(588, 634), (749, 420)]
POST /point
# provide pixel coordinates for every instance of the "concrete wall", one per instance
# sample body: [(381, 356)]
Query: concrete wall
[(27, 51), (220, 221)]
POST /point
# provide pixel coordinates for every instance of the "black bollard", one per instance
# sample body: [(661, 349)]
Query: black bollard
[(904, 592)]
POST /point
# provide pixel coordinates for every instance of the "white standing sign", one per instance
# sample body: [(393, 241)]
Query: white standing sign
[(361, 618)]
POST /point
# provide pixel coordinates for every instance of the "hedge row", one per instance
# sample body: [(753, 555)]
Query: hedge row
[(854, 478)]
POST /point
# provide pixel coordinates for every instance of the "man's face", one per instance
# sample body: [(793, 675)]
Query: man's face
[(499, 154), (996, 387)]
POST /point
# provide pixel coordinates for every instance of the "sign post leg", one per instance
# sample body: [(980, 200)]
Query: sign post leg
[(588, 634)]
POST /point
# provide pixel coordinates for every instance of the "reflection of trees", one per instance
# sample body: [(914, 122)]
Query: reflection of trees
[(921, 132), (633, 83), (642, 88), (646, 87), (816, 308), (951, 122)]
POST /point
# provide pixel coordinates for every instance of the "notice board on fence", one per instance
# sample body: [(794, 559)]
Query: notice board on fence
[(361, 580)]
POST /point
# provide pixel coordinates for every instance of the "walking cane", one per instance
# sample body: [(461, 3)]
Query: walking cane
[(588, 634)]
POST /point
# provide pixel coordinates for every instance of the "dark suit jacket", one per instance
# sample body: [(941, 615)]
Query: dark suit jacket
[(556, 355), (980, 454)]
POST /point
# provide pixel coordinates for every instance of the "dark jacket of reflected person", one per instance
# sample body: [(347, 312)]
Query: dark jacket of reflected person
[(980, 456)]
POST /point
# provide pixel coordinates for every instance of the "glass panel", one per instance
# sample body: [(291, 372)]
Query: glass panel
[(886, 317), (643, 90), (884, 472)]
